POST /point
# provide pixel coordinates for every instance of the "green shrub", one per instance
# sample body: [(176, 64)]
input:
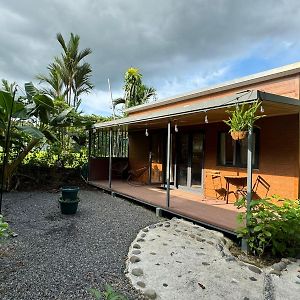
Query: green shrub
[(271, 227), (108, 294), (4, 228)]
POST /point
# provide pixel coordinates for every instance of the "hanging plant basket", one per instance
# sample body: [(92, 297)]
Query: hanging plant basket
[(239, 135)]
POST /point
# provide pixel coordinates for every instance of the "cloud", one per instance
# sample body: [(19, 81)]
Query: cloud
[(178, 45)]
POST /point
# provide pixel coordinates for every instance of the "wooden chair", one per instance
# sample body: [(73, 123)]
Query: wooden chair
[(217, 184), (134, 175), (119, 169), (260, 189)]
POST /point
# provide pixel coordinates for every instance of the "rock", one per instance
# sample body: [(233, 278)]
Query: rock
[(167, 225), (200, 253), (145, 229), (286, 260), (141, 284), (137, 272), (219, 247), (136, 252), (199, 239), (192, 236), (165, 244), (279, 266), (136, 246), (230, 258), (254, 269), (292, 259), (275, 272), (233, 280), (152, 226), (152, 253), (222, 253), (298, 276), (210, 242), (143, 235), (140, 240), (177, 230), (150, 293), (205, 263), (246, 298), (160, 224), (134, 259), (165, 284), (252, 278), (298, 282)]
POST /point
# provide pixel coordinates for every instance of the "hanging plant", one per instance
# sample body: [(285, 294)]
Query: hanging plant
[(242, 119)]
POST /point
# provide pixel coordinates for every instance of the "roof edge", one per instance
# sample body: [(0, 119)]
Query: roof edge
[(283, 71)]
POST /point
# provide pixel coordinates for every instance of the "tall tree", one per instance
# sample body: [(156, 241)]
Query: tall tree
[(135, 92), (69, 76)]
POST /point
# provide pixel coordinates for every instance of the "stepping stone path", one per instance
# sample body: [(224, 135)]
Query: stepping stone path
[(179, 260)]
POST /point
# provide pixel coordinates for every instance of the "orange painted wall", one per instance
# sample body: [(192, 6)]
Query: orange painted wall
[(278, 158), (286, 86)]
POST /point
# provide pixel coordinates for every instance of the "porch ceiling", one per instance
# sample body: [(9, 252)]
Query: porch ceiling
[(215, 109)]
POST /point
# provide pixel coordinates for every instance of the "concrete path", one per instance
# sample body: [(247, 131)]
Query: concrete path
[(178, 260)]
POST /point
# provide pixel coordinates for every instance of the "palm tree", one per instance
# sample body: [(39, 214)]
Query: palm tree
[(76, 76), (54, 80), (68, 75), (135, 92)]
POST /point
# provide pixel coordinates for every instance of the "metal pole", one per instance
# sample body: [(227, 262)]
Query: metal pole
[(111, 98), (249, 182), (168, 163), (110, 157)]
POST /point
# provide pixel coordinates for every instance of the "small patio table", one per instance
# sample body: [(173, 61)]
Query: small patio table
[(236, 180)]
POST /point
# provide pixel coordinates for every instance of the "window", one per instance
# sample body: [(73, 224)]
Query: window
[(234, 153)]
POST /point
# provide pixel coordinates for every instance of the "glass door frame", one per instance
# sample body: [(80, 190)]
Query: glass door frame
[(190, 135)]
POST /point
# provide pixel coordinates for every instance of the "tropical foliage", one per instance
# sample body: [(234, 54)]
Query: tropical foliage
[(36, 118), (135, 92), (69, 76), (243, 117), (4, 229), (108, 294), (271, 225)]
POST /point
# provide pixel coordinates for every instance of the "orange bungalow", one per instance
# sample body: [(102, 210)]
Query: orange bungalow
[(176, 154)]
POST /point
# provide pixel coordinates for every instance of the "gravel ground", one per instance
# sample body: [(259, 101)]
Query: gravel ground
[(62, 257)]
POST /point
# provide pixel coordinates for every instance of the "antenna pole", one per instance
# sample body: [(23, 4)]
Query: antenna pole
[(111, 98)]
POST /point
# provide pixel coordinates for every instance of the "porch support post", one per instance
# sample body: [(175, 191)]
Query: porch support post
[(249, 182), (110, 158), (168, 164)]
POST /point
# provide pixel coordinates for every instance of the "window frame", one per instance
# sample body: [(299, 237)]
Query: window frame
[(237, 151)]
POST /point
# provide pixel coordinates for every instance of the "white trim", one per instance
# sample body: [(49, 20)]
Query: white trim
[(236, 83)]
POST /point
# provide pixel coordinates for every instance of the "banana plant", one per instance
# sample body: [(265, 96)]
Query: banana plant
[(34, 120)]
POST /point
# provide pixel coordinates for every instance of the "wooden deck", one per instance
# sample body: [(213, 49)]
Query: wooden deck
[(212, 212)]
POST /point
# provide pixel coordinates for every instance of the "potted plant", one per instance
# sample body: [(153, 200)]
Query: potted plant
[(69, 200), (242, 119)]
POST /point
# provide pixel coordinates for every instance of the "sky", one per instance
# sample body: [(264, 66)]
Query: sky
[(178, 46)]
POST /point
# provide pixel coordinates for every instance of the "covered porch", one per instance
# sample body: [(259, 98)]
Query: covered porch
[(176, 154)]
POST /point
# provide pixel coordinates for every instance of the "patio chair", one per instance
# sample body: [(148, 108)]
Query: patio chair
[(134, 175), (217, 184), (119, 169), (260, 189)]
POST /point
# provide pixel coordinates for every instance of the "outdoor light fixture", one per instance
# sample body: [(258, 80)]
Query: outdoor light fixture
[(176, 128), (146, 132), (262, 109), (206, 119)]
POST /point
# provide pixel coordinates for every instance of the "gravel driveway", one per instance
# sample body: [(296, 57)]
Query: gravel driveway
[(62, 257)]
